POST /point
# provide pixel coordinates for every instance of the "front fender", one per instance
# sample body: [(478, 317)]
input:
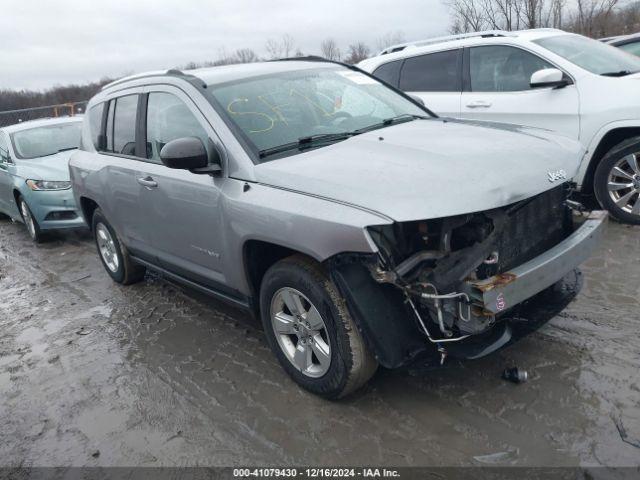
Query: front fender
[(595, 142), (310, 225)]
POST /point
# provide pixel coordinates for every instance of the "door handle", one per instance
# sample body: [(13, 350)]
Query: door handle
[(479, 104), (147, 182)]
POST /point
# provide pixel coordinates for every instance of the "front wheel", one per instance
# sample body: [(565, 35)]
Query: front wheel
[(113, 254), (310, 330), (617, 181), (31, 223)]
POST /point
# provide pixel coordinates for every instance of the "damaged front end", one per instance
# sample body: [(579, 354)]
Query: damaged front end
[(458, 278)]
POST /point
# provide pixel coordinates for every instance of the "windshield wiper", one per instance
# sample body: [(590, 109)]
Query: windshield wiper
[(326, 138), (67, 149), (621, 73), (387, 122), (307, 142)]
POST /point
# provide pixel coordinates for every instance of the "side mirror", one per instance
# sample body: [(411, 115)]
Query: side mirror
[(187, 153), (549, 77), (417, 99)]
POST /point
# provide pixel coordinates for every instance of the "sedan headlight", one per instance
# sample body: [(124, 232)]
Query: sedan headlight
[(48, 185)]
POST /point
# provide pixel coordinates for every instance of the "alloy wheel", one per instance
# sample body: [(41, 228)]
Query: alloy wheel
[(301, 332), (623, 184), (28, 218), (107, 248)]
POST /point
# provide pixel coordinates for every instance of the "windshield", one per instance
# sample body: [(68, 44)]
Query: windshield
[(48, 140), (279, 109), (592, 55)]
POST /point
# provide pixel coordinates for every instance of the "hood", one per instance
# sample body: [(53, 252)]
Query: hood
[(430, 168), (52, 167)]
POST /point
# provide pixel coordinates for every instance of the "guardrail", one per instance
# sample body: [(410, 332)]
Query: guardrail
[(70, 109)]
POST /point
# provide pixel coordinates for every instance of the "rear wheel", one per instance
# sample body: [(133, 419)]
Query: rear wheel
[(310, 330), (113, 254), (31, 223), (617, 181)]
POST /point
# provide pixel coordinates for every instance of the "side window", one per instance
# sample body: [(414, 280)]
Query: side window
[(168, 118), (435, 72), (389, 72), (124, 125), (95, 122), (503, 69), (4, 149)]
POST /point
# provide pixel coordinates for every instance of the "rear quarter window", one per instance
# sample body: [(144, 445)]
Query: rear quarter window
[(95, 123), (389, 72)]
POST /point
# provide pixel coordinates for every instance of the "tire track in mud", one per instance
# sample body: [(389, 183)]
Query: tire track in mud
[(163, 376)]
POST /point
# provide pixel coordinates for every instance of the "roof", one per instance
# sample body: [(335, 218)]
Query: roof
[(403, 50), (41, 122), (622, 39), (228, 73), (524, 34)]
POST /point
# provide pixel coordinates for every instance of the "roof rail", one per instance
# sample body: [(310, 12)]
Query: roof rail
[(447, 38), (156, 73)]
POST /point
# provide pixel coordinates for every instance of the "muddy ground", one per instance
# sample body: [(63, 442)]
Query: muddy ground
[(92, 373)]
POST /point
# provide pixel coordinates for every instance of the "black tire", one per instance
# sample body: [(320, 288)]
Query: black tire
[(127, 271), (351, 364), (601, 180), (30, 223)]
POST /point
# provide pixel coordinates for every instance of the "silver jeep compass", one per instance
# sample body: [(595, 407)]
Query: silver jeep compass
[(363, 229)]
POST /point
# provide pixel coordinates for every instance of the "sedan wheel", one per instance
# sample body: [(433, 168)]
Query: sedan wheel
[(301, 332), (29, 221)]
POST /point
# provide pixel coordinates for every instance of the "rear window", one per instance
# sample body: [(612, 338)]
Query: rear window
[(435, 72)]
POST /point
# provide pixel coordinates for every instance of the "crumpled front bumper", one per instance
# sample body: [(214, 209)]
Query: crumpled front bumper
[(501, 292)]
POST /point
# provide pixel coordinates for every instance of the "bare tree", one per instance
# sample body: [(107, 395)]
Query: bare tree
[(288, 45), (246, 55), (357, 52), (390, 38), (589, 17), (280, 48), (591, 14), (330, 50)]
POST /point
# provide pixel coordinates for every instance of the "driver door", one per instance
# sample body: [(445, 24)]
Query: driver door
[(497, 89)]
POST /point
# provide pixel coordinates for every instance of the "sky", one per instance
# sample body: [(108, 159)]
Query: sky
[(55, 42)]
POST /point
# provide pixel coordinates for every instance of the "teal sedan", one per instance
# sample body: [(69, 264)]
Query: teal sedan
[(34, 174)]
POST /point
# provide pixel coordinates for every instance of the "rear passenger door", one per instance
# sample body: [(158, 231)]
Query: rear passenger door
[(436, 78), (122, 175)]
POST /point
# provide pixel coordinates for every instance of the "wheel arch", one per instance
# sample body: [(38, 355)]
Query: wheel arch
[(88, 207), (257, 257), (609, 140)]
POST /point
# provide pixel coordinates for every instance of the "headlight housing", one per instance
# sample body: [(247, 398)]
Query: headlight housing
[(48, 185)]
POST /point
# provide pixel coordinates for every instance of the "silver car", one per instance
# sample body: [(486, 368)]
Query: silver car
[(360, 227)]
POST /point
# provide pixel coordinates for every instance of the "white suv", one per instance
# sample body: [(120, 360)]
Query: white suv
[(544, 78)]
